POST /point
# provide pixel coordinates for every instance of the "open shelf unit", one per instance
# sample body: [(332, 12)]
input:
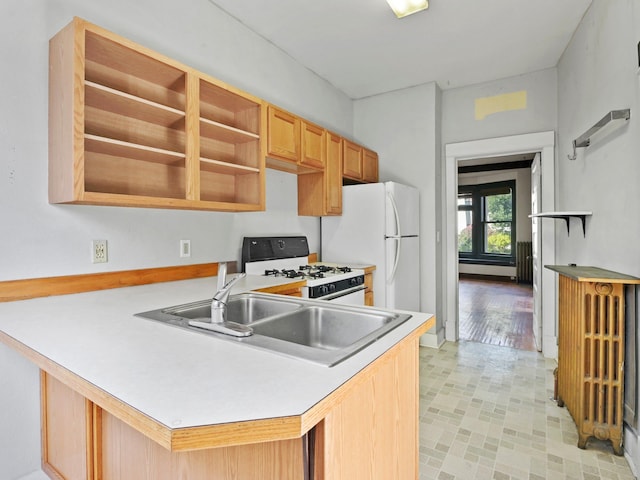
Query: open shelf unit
[(131, 127)]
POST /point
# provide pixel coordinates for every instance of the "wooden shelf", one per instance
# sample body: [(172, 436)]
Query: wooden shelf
[(108, 99), (117, 148), (222, 106), (127, 58), (225, 168), (172, 96), (225, 133), (566, 216)]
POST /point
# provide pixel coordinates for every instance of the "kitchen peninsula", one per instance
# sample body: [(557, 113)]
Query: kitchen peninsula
[(125, 397)]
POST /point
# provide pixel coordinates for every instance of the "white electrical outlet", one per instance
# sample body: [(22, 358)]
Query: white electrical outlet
[(185, 248), (99, 251)]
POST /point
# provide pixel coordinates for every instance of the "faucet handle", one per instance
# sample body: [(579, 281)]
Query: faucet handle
[(222, 275)]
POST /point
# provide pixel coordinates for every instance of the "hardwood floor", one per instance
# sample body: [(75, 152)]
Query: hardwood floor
[(496, 313)]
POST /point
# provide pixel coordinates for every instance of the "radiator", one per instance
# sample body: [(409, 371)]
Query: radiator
[(524, 262), (590, 372)]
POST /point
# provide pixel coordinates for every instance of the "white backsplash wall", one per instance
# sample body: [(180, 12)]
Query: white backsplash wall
[(40, 240)]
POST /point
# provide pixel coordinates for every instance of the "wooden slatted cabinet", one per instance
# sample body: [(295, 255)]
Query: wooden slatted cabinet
[(590, 374)]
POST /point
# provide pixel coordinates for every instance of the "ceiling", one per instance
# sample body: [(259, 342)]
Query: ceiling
[(361, 48)]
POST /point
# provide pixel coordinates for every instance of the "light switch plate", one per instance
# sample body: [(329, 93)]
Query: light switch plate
[(185, 248)]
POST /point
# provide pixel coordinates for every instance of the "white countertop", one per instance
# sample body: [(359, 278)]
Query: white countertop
[(177, 377)]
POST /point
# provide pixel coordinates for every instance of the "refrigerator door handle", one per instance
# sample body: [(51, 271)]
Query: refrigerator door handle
[(396, 215), (396, 259)]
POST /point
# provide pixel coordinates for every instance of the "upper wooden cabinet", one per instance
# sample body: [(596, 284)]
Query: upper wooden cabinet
[(283, 139), (360, 164), (369, 166), (293, 144), (333, 175), (352, 158), (130, 127), (320, 193), (313, 145)]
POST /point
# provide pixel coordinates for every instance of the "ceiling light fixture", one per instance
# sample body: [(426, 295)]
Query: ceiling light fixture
[(402, 8)]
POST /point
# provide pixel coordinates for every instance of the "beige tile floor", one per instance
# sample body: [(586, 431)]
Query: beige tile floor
[(486, 413)]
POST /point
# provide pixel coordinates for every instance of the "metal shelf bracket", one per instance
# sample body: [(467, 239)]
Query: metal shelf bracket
[(566, 216), (584, 140)]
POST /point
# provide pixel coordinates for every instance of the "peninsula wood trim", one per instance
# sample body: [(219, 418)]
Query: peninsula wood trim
[(12, 290)]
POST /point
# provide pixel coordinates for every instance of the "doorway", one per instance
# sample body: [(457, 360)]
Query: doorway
[(495, 251), (544, 143)]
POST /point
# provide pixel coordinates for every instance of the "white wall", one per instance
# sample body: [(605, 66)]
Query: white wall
[(401, 126), (39, 239), (598, 72), (522, 177), (459, 123)]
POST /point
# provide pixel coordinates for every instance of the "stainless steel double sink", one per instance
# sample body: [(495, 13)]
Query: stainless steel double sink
[(312, 330)]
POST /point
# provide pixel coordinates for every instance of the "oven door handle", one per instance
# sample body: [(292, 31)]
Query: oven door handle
[(342, 293)]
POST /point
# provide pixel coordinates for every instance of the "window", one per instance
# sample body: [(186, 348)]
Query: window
[(486, 223)]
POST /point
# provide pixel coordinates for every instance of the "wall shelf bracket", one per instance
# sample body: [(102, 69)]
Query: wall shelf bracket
[(566, 216), (584, 140)]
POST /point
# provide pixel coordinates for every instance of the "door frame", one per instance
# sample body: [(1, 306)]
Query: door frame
[(543, 142)]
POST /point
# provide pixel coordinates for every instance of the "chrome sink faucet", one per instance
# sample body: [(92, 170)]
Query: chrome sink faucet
[(220, 299), (218, 321)]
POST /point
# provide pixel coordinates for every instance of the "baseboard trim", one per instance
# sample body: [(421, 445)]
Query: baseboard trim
[(493, 278), (430, 340)]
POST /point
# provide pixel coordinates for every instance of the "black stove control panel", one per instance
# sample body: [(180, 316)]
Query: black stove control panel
[(256, 249), (319, 291)]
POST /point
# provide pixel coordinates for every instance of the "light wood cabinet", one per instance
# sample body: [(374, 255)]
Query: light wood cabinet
[(352, 160), (333, 175), (320, 193), (85, 442), (360, 164), (313, 147), (130, 127), (293, 144), (372, 433), (321, 159), (368, 282), (369, 166), (292, 289), (67, 423), (283, 139)]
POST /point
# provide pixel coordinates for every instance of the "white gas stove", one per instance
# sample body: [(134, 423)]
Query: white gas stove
[(289, 257)]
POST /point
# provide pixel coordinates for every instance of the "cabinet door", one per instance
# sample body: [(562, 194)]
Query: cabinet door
[(313, 146), (333, 175), (352, 160), (370, 166), (372, 434), (67, 451), (283, 137)]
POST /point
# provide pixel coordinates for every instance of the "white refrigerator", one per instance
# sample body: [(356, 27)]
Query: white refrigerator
[(379, 226)]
